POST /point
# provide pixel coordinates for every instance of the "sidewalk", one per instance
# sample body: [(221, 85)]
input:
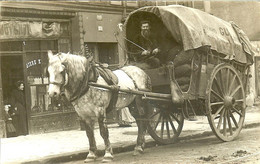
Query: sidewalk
[(74, 143)]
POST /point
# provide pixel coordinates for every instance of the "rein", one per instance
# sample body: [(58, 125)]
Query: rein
[(127, 51)]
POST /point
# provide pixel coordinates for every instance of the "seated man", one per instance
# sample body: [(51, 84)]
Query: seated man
[(146, 48)]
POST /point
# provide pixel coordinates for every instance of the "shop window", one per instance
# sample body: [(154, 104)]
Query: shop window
[(32, 45), (64, 45), (11, 46), (36, 65), (104, 52), (49, 45), (65, 29)]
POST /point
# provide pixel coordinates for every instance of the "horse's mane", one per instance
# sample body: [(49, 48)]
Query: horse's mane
[(75, 67)]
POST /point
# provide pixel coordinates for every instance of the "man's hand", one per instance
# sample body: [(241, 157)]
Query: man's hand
[(146, 53), (155, 51)]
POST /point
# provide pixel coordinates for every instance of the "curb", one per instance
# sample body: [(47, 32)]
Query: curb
[(81, 155)]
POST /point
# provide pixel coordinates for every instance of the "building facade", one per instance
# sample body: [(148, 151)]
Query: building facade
[(29, 29)]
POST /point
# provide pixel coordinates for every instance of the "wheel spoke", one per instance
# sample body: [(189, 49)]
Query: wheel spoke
[(220, 119), (227, 80), (162, 127), (173, 127), (168, 131), (218, 111), (158, 111), (231, 84), (216, 103), (225, 124), (240, 100), (235, 91), (222, 82), (174, 117), (234, 119), (218, 87), (157, 122), (229, 123), (216, 94), (237, 111)]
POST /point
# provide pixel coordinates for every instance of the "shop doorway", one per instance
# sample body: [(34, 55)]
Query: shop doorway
[(11, 72)]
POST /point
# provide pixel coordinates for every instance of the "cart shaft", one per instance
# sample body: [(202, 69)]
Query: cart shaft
[(142, 93)]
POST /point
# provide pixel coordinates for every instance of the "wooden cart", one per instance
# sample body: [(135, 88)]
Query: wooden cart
[(217, 55)]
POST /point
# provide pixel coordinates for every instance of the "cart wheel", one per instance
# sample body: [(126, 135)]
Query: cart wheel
[(165, 125), (225, 102)]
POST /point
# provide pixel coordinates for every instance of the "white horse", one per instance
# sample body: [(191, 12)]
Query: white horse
[(72, 73)]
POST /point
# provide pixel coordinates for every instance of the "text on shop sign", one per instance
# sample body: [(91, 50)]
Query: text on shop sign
[(33, 63)]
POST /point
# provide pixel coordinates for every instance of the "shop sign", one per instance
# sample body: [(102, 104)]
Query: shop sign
[(21, 29), (33, 63)]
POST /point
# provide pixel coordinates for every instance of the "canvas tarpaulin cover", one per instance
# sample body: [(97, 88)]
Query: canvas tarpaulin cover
[(193, 28)]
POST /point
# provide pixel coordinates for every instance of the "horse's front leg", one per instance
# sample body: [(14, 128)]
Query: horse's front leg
[(105, 135), (89, 125)]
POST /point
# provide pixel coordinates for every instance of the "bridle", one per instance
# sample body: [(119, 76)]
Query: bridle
[(64, 81), (82, 88)]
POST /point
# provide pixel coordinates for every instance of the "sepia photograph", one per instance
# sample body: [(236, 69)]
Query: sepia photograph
[(134, 81)]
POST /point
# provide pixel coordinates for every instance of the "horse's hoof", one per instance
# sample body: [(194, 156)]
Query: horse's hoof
[(107, 159), (88, 160), (138, 151)]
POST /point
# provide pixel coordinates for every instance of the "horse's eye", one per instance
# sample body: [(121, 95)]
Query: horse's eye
[(63, 72)]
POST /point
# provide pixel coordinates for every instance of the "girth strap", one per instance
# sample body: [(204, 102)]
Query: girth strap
[(114, 98)]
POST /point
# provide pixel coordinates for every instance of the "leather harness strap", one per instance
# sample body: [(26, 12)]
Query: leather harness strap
[(84, 87), (112, 80)]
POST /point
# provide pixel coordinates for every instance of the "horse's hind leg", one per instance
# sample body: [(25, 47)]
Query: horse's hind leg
[(89, 125), (105, 135), (139, 114)]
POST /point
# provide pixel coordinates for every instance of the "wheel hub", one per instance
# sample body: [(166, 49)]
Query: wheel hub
[(229, 101)]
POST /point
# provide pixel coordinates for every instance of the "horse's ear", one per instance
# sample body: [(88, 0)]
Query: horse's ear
[(50, 54), (63, 56)]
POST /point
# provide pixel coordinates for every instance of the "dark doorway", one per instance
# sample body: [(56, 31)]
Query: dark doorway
[(12, 71)]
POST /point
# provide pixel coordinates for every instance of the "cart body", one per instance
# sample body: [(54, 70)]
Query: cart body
[(210, 69)]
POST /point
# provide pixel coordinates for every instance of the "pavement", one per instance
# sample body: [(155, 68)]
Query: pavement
[(61, 146)]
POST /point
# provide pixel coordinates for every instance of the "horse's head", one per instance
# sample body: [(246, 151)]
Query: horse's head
[(57, 73)]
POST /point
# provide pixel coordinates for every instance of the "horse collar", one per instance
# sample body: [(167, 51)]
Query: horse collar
[(84, 87)]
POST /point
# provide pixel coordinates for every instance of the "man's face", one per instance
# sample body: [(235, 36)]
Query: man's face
[(145, 29)]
